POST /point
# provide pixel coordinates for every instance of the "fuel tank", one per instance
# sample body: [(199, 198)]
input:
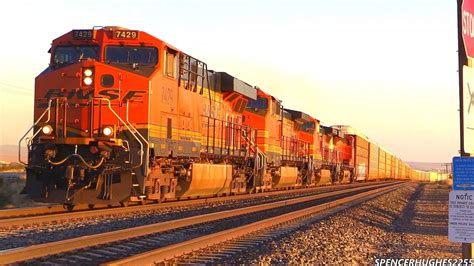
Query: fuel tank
[(325, 177), (206, 180), (287, 177), (346, 176)]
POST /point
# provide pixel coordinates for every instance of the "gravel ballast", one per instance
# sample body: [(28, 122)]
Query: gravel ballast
[(42, 233), (411, 222)]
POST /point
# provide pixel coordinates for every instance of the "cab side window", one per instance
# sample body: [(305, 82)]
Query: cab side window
[(170, 63), (276, 108)]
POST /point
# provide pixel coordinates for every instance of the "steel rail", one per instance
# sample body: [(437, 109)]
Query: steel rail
[(41, 250), (30, 211), (52, 213), (170, 252)]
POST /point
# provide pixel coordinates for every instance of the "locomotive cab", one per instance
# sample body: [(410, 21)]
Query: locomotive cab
[(84, 149)]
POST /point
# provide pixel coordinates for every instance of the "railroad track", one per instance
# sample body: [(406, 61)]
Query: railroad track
[(228, 245), (48, 214), (189, 232), (215, 248)]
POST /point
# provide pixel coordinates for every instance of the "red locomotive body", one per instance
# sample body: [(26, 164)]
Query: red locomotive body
[(307, 141), (336, 156)]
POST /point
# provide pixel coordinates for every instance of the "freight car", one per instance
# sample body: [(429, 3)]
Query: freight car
[(120, 116)]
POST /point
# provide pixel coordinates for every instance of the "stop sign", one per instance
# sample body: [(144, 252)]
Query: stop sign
[(468, 27)]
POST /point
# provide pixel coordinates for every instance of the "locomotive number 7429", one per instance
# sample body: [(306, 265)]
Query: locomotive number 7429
[(125, 34)]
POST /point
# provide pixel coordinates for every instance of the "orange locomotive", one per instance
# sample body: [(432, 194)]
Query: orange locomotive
[(122, 116), (337, 159), (287, 139)]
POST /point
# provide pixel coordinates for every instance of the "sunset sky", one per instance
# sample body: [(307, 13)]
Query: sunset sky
[(386, 67)]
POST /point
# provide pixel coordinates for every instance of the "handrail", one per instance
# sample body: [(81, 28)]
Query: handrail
[(141, 136), (237, 133), (127, 124), (48, 109), (129, 127)]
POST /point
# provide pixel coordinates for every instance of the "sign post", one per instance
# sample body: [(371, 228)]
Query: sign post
[(465, 26)]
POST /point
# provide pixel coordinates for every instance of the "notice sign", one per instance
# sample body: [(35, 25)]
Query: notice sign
[(463, 173), (461, 216)]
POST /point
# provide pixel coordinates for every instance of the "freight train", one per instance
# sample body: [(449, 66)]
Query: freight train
[(121, 116)]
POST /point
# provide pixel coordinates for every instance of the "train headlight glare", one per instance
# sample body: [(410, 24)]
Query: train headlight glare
[(47, 130), (88, 72), (107, 131), (88, 81)]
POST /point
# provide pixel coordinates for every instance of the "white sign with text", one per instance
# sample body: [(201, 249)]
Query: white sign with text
[(461, 216)]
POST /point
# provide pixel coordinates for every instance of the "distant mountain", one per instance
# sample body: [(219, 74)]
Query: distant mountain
[(9, 153), (430, 166)]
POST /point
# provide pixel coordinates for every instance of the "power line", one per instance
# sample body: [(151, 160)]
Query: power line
[(15, 86), (16, 90)]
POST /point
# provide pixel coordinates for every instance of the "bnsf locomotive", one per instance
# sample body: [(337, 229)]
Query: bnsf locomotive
[(121, 116)]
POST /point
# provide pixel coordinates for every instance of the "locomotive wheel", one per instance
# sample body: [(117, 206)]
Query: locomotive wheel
[(124, 203), (69, 207), (90, 206)]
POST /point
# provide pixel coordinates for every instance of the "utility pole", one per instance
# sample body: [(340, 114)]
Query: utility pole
[(462, 61), (448, 168)]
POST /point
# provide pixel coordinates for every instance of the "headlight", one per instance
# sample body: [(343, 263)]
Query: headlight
[(87, 76), (47, 130), (88, 72), (107, 131), (88, 81)]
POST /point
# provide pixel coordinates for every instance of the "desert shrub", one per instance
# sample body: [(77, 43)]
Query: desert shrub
[(5, 194)]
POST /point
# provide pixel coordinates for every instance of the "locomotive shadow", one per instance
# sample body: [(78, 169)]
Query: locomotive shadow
[(420, 218)]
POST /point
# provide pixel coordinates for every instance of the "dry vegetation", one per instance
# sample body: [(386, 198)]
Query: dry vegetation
[(11, 185)]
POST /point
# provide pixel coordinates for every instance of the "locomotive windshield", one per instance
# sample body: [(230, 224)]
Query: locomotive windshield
[(72, 54), (260, 103), (143, 56), (259, 106), (307, 127)]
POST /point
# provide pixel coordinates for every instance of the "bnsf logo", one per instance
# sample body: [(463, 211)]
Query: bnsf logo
[(111, 94)]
